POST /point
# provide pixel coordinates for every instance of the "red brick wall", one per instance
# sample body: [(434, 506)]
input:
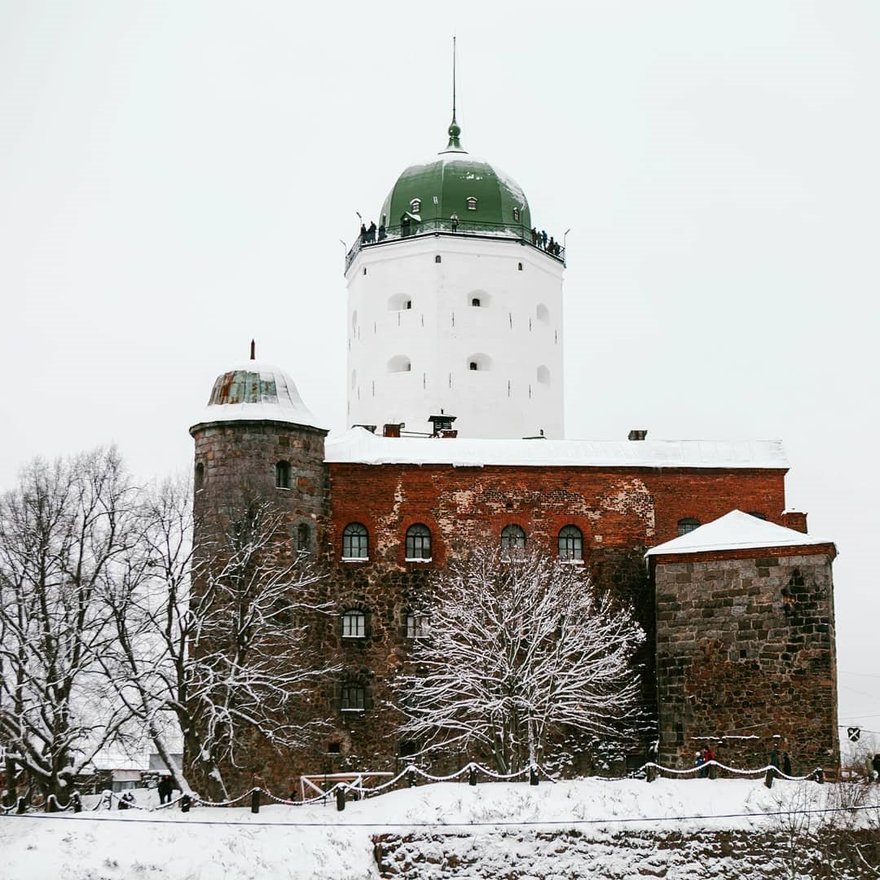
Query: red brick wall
[(613, 507)]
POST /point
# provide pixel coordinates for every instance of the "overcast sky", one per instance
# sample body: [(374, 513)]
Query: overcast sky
[(175, 179)]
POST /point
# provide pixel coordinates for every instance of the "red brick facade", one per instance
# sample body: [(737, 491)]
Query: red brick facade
[(621, 511)]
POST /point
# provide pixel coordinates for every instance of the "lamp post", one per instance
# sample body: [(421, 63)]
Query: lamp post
[(564, 243)]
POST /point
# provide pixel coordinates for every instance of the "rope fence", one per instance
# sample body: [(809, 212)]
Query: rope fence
[(340, 791)]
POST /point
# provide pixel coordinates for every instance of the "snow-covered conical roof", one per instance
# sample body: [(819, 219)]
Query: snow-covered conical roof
[(256, 391), (736, 531)]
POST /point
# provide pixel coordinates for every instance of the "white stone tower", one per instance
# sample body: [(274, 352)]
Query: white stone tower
[(455, 307)]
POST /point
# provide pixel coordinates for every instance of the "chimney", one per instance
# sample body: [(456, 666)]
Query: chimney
[(637, 434), (794, 519), (392, 429), (442, 424)]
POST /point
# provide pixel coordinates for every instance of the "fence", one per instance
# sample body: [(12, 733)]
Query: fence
[(341, 791)]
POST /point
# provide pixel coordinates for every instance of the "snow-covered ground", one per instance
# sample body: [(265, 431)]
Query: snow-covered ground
[(318, 841)]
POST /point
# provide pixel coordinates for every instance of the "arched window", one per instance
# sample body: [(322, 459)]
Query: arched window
[(282, 475), (471, 203), (415, 206), (688, 524), (303, 538), (513, 540), (571, 543), (354, 624), (355, 542), (416, 625), (475, 302), (199, 477), (418, 542), (352, 697)]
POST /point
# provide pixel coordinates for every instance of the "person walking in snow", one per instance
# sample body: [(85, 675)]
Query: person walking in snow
[(708, 758), (698, 763), (786, 764), (165, 787), (774, 757)]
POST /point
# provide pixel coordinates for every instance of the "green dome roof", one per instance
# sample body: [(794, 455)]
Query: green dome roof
[(451, 184)]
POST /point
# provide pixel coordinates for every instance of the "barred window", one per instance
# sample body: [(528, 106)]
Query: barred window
[(354, 624), (416, 625), (355, 542), (352, 697), (571, 543), (418, 542), (688, 524), (513, 540)]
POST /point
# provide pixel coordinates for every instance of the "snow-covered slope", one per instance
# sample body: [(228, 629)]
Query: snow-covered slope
[(317, 841)]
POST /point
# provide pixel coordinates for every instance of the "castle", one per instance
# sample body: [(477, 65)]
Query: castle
[(455, 381)]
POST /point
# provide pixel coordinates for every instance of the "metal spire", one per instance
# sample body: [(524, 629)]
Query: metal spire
[(253, 350), (454, 129)]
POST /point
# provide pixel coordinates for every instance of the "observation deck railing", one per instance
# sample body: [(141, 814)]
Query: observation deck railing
[(476, 228)]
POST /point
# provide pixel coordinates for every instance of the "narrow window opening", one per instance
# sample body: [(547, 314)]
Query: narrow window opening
[(199, 478), (365, 270), (303, 538), (519, 266), (438, 259), (282, 474)]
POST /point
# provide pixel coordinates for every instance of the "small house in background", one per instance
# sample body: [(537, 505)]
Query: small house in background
[(158, 765)]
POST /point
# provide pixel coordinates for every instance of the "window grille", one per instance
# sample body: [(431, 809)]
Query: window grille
[(418, 542), (355, 542), (571, 543)]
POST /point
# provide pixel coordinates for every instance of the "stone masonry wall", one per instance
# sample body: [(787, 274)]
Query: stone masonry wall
[(235, 462), (745, 654)]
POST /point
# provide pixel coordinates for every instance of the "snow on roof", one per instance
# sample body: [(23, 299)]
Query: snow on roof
[(255, 391), (735, 531), (359, 446)]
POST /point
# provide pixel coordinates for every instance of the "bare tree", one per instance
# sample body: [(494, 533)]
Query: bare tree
[(63, 532), (518, 649), (215, 642), (152, 618), (252, 668)]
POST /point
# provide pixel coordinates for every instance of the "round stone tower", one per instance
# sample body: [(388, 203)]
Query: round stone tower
[(257, 440), (455, 306)]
